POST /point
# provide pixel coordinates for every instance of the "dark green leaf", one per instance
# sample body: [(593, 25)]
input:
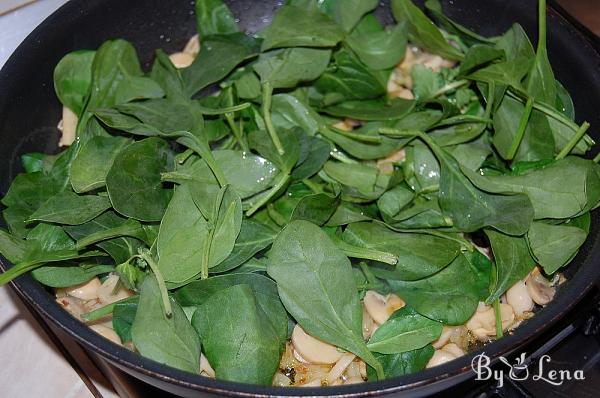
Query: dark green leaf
[(73, 79), (553, 246), (214, 17), (71, 209), (67, 276)]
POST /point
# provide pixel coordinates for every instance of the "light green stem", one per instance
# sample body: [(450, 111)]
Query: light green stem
[(573, 141), (164, 292), (521, 130), (267, 91)]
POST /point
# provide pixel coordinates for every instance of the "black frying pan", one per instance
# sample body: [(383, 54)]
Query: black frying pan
[(29, 110)]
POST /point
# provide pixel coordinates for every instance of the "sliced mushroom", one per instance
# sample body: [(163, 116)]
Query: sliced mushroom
[(445, 354), (72, 305), (193, 46), (107, 332), (314, 350), (539, 288), (368, 324), (281, 380), (340, 367), (444, 337), (483, 323), (386, 165), (382, 307), (519, 299), (205, 368), (68, 127), (107, 293), (181, 59), (85, 291)]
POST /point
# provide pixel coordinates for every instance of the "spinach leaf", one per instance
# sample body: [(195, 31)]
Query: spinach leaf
[(540, 82), (396, 365), (318, 153), (515, 43), (305, 263), (72, 79), (348, 13), (123, 317), (214, 17), (12, 247), (247, 173), (265, 290), (133, 182), (299, 27), (66, 276), (168, 340), (286, 68), (381, 49), (513, 261), (509, 72), (405, 330), (561, 189), (553, 246), (219, 56), (422, 31), (181, 239), (419, 255), (167, 76), (317, 208), (372, 110), (451, 296), (479, 55), (93, 162), (71, 209), (245, 348), (253, 238), (118, 236)]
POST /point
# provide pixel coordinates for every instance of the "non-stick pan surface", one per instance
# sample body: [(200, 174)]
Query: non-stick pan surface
[(29, 110)]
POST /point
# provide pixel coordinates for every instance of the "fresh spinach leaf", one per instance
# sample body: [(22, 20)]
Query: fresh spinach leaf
[(73, 79), (66, 276), (553, 246), (71, 209), (214, 17)]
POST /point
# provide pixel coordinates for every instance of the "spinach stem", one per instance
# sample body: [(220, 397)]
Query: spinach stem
[(450, 87), (281, 183), (229, 109), (183, 156), (337, 155), (463, 119), (164, 292), (266, 111), (316, 188), (541, 26), (358, 137), (18, 270), (514, 147), (498, 318), (236, 132), (202, 149), (573, 141), (106, 310), (597, 158)]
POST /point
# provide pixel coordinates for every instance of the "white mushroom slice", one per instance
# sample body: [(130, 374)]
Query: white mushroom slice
[(339, 368), (181, 59), (108, 295), (444, 337), (368, 324), (539, 288), (354, 380), (353, 370), (107, 332), (68, 127), (85, 291), (453, 349), (362, 366), (72, 305), (314, 350), (519, 299), (205, 368), (281, 380), (193, 46), (446, 354), (381, 307), (299, 357), (483, 323), (312, 383)]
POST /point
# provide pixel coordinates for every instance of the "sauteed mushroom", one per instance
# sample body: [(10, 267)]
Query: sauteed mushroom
[(68, 127), (445, 354), (382, 307), (519, 299), (313, 350), (483, 323), (539, 288)]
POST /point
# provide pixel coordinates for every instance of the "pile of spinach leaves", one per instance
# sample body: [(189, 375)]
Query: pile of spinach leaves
[(232, 214)]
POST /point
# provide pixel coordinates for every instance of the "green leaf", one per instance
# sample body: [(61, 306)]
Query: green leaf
[(182, 237), (422, 31), (509, 72), (71, 209), (133, 182), (219, 56), (168, 340), (214, 17), (515, 43), (479, 55), (561, 189), (244, 348), (73, 79), (513, 261), (348, 13), (12, 247), (286, 68), (67, 276), (380, 49), (553, 246), (297, 27), (317, 208), (305, 263), (372, 110), (451, 296), (167, 75), (405, 330), (123, 317), (396, 365), (265, 290), (419, 255), (260, 141)]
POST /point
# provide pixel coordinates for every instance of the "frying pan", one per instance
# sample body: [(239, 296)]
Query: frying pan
[(29, 110)]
